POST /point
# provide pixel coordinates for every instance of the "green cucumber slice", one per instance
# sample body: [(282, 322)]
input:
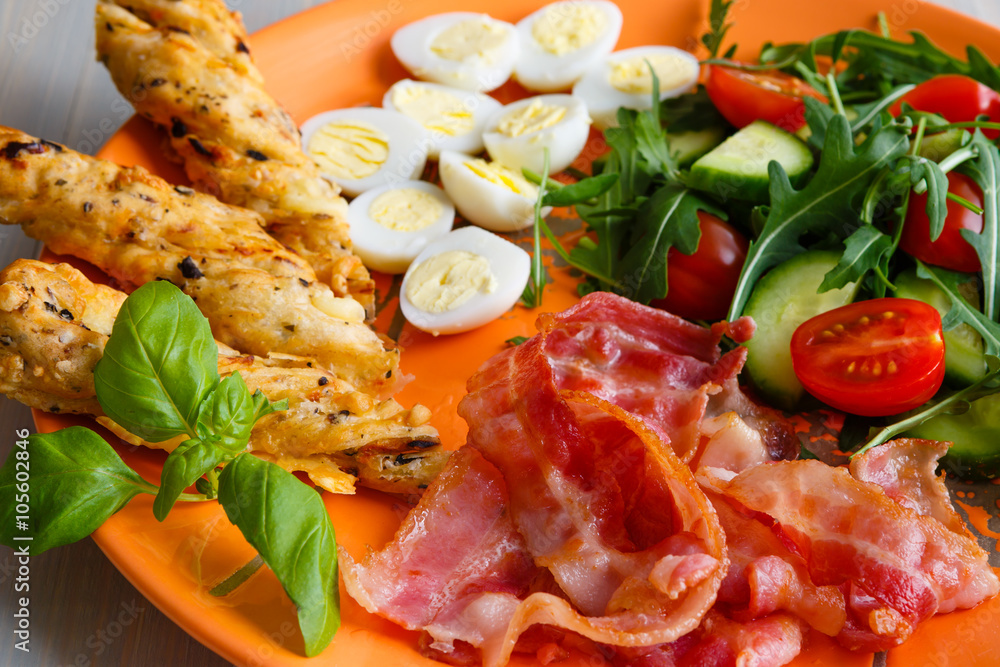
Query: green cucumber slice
[(737, 168), (783, 299), (964, 358)]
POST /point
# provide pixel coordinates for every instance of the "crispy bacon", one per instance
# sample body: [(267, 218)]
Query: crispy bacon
[(897, 566), (906, 471)]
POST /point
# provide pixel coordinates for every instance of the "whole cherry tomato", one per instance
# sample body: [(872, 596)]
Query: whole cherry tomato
[(956, 97), (701, 285), (873, 358), (742, 96), (949, 250)]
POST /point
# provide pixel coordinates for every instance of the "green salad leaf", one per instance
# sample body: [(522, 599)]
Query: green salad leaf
[(287, 523), (72, 481)]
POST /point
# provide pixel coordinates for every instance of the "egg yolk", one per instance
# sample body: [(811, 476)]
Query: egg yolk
[(436, 110), (568, 26), (449, 279), (496, 173), (531, 118), (405, 210), (468, 39), (349, 149), (632, 75)]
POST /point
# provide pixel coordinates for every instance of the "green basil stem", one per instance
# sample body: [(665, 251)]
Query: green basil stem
[(970, 393), (748, 67), (919, 139), (965, 202)]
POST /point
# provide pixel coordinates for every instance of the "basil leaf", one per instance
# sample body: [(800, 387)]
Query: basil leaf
[(230, 412), (287, 523), (863, 250), (159, 364), (985, 171), (185, 465), (75, 482), (827, 203)]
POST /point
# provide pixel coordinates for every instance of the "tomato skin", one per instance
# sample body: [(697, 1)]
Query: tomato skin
[(956, 97), (949, 250), (743, 97), (701, 285), (872, 358)]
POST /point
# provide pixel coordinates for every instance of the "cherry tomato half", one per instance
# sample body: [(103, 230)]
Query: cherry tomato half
[(871, 358), (956, 97), (743, 97), (701, 285), (949, 250)]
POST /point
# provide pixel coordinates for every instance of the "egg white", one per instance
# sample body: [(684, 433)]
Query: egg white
[(408, 145), (411, 45), (389, 250), (479, 105), (603, 99), (540, 70), (481, 202), (510, 265), (565, 139)]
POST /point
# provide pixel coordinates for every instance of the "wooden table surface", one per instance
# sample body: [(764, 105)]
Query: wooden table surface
[(83, 612)]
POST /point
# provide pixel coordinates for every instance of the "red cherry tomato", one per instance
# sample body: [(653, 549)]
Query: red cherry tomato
[(949, 250), (872, 358), (956, 97), (743, 97), (701, 285)]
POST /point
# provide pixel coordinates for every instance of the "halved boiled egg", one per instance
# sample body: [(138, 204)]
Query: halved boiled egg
[(462, 281), (391, 224), (562, 41), (623, 80), (364, 147), (461, 49), (453, 118), (488, 194), (518, 134)]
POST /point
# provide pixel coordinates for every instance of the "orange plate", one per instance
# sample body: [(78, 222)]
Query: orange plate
[(338, 55)]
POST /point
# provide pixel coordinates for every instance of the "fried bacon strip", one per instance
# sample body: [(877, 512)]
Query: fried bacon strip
[(54, 324), (186, 67), (259, 296)]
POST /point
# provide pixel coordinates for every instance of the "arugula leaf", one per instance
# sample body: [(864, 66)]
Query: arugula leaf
[(985, 171), (961, 310), (717, 25), (669, 219), (159, 364), (827, 204), (581, 191), (287, 523), (927, 171), (690, 112), (75, 482), (956, 403), (863, 252)]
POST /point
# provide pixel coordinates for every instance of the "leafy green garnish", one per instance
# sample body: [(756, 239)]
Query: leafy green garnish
[(718, 27), (287, 523), (158, 379), (985, 171), (74, 479), (827, 204)]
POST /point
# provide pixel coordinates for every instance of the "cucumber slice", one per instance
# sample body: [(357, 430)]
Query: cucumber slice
[(963, 347), (783, 299), (975, 438), (686, 147), (737, 168)]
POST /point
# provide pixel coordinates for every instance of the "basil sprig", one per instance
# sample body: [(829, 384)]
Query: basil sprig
[(158, 379)]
